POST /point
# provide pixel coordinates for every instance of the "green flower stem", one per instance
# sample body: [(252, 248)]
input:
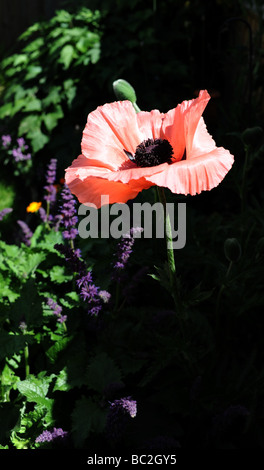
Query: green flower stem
[(170, 250), (137, 109), (47, 215), (26, 356), (169, 240)]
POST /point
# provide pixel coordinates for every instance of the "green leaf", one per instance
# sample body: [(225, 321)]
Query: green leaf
[(28, 307), (101, 372), (58, 275), (53, 96), (33, 121), (7, 291), (38, 139), (35, 45), (86, 418), (49, 240), (33, 105), (6, 110), (35, 390), (61, 383), (66, 55), (51, 119), (11, 344), (33, 71), (20, 59), (58, 346), (63, 16), (70, 90), (95, 53), (36, 235)]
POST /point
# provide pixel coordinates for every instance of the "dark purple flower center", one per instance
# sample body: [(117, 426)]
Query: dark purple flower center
[(152, 152)]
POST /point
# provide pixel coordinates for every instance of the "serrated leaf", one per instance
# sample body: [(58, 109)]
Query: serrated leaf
[(28, 307), (49, 240), (87, 417), (11, 344), (61, 383), (58, 275), (101, 372), (36, 235), (35, 390), (53, 351), (6, 291)]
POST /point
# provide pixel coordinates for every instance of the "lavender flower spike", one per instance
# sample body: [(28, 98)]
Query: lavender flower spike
[(68, 212), (118, 417), (126, 405), (56, 310), (27, 234), (124, 250), (4, 212), (48, 436), (50, 197)]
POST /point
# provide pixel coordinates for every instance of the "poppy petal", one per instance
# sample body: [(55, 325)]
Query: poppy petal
[(173, 131), (89, 182), (135, 173), (202, 141), (196, 174), (111, 129), (150, 123), (180, 124), (93, 189)]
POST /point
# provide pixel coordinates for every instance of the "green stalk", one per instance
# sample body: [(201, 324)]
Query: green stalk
[(137, 109), (26, 356), (170, 251)]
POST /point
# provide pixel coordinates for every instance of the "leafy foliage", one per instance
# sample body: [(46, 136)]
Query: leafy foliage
[(39, 87)]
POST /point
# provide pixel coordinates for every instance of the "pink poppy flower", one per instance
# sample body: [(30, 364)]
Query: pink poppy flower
[(124, 152)]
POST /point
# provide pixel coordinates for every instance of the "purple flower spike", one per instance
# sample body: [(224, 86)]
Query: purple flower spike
[(68, 212), (76, 265), (124, 250), (127, 405), (118, 417), (56, 310), (27, 234), (4, 212), (50, 180), (88, 291), (48, 436)]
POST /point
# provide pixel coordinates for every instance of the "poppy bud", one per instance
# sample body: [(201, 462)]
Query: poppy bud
[(252, 136), (232, 249), (124, 91)]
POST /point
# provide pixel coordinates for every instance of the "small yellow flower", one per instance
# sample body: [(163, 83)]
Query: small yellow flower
[(34, 206)]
